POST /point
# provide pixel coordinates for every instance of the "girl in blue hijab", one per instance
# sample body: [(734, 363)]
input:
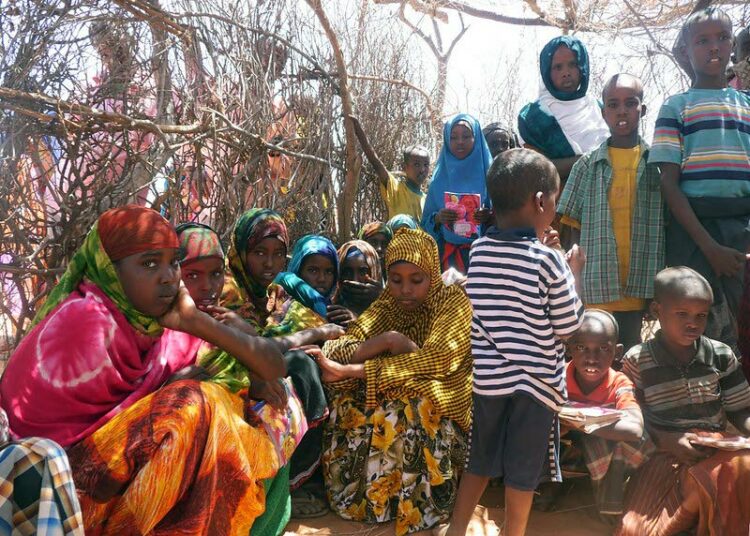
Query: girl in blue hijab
[(461, 169), (312, 274), (564, 122)]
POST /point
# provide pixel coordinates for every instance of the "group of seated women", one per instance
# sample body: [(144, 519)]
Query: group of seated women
[(169, 387)]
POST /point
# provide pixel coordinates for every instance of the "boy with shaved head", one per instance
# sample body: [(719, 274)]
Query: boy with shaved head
[(612, 198), (613, 451)]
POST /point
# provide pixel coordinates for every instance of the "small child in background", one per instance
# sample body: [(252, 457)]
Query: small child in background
[(702, 146), (500, 138), (610, 452), (401, 221), (612, 197), (378, 235), (401, 196), (525, 305), (741, 60)]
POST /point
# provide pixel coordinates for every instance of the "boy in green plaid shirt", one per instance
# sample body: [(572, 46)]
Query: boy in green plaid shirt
[(613, 201)]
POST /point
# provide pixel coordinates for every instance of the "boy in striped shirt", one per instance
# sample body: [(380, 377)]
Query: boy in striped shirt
[(525, 305), (702, 146)]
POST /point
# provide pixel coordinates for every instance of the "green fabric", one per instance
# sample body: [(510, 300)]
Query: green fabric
[(256, 223), (93, 263), (278, 506), (586, 200)]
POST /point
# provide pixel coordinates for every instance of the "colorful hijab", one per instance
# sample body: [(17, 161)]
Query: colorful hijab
[(563, 124), (400, 221), (291, 280), (251, 229), (64, 382), (374, 227), (198, 241), (118, 233), (436, 371), (467, 175)]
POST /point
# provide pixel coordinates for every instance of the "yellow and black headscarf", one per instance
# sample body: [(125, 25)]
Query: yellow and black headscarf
[(441, 327)]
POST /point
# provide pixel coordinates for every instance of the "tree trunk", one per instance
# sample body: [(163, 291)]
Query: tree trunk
[(353, 161)]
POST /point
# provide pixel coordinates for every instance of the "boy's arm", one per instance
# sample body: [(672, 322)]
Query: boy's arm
[(629, 428), (724, 261), (741, 420), (565, 165), (370, 153)]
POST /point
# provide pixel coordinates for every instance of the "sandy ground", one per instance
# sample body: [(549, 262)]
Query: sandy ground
[(574, 516)]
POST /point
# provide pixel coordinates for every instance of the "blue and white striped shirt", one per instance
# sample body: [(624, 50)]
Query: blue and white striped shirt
[(525, 305)]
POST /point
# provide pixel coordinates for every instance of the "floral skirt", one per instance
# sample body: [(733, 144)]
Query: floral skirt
[(400, 460)]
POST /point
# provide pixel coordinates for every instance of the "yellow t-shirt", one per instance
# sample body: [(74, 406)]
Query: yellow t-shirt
[(621, 202), (402, 198)]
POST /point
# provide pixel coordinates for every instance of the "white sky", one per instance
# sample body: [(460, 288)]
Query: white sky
[(494, 69)]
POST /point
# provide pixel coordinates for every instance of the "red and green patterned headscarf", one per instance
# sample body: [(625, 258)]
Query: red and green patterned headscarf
[(118, 233)]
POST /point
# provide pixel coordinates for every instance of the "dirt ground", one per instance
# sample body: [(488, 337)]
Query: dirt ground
[(574, 516)]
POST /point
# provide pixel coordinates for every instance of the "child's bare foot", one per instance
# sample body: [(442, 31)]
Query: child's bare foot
[(445, 530), (441, 530)]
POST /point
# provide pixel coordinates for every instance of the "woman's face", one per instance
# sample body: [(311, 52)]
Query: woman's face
[(564, 71), (355, 268), (150, 280), (461, 141), (318, 271), (409, 285), (264, 262), (204, 279)]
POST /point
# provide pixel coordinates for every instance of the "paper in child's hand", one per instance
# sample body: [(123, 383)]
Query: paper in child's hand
[(464, 205)]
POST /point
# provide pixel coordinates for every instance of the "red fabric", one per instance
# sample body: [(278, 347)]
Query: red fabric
[(64, 383), (616, 390), (132, 229)]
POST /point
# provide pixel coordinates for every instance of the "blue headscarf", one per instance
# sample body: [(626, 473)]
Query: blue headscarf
[(545, 66), (400, 221), (459, 176), (293, 283)]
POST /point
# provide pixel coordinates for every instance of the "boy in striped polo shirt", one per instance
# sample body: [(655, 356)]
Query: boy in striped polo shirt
[(525, 304), (702, 146), (688, 386)]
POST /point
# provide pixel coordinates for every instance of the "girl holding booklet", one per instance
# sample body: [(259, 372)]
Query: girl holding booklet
[(457, 183)]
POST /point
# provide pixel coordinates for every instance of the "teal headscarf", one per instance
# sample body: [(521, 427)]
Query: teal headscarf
[(545, 66), (536, 124), (399, 221), (292, 281)]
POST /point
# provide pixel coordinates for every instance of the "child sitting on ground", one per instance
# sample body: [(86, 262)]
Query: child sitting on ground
[(688, 387), (525, 305), (610, 452), (702, 146), (310, 280), (612, 197), (401, 196)]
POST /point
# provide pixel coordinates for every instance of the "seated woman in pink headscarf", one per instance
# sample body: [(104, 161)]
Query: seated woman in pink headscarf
[(147, 458)]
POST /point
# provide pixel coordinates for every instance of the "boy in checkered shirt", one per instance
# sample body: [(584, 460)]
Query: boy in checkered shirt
[(613, 200)]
